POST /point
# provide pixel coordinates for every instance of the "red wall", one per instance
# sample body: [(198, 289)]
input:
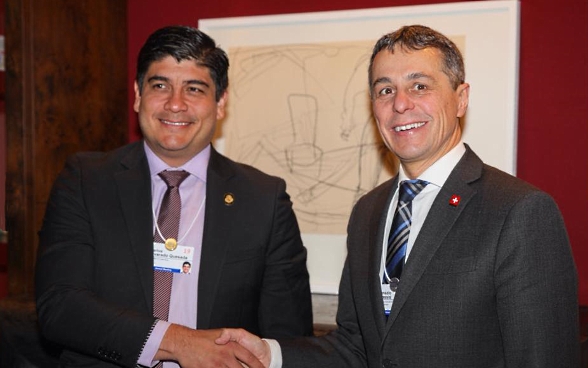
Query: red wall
[(553, 88)]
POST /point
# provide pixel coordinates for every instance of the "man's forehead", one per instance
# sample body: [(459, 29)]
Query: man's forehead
[(171, 61), (409, 62), (161, 70)]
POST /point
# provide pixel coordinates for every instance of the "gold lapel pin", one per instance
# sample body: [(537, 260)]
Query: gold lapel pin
[(229, 199)]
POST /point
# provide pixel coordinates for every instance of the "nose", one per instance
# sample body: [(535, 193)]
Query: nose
[(175, 102), (402, 101)]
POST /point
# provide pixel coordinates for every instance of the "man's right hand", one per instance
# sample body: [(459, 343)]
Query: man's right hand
[(197, 348), (252, 343)]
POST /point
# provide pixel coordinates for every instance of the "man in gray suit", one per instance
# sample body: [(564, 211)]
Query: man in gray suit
[(487, 279)]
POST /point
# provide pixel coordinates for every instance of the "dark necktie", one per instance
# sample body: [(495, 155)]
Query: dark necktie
[(398, 239), (168, 224)]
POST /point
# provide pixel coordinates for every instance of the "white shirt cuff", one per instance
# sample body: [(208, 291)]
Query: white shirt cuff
[(276, 353)]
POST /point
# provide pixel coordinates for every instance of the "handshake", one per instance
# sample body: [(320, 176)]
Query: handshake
[(258, 351), (214, 348)]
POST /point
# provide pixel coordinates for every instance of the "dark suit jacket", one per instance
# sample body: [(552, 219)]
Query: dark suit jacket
[(489, 283), (94, 277)]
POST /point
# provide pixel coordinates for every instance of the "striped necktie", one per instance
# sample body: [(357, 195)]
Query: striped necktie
[(168, 224), (398, 239)]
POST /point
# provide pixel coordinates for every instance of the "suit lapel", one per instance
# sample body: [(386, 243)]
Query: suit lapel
[(216, 239), (134, 191), (376, 237), (439, 222)]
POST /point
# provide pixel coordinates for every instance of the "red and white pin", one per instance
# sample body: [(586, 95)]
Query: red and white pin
[(455, 199)]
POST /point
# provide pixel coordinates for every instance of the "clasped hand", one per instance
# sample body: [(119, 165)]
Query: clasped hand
[(212, 348), (256, 346)]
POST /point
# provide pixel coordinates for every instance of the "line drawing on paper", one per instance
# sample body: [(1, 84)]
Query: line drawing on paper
[(302, 112)]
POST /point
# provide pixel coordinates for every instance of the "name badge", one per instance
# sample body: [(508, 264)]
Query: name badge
[(387, 297), (177, 260)]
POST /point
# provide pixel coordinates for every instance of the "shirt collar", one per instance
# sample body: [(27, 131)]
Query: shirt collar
[(438, 173), (196, 166)]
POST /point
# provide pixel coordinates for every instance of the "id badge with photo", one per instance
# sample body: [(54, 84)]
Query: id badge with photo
[(177, 260)]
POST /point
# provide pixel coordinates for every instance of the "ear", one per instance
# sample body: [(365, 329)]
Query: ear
[(221, 105), (137, 97), (463, 99)]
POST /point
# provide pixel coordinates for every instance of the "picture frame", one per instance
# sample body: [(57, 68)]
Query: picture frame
[(298, 106)]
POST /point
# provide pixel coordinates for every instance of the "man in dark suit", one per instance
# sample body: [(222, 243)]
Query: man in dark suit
[(488, 279), (97, 254)]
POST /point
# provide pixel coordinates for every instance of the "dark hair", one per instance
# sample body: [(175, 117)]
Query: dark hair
[(417, 37), (184, 43)]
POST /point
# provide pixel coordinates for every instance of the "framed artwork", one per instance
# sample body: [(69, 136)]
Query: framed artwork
[(299, 107)]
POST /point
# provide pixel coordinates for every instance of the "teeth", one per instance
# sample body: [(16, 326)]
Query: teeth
[(409, 126), (179, 123)]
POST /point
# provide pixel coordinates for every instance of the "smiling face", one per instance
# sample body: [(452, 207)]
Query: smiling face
[(415, 107), (177, 109)]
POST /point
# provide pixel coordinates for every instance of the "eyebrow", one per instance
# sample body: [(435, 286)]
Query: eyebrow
[(380, 81), (410, 76), (418, 75), (188, 82)]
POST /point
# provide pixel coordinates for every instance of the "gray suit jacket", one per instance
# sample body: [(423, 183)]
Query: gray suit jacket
[(94, 277), (489, 283)]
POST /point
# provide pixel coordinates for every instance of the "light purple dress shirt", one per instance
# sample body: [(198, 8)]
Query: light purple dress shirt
[(184, 294)]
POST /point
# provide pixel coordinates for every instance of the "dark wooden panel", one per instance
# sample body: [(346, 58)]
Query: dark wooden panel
[(66, 91)]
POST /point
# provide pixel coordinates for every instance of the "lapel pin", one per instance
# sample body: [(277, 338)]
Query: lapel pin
[(229, 199), (454, 201)]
